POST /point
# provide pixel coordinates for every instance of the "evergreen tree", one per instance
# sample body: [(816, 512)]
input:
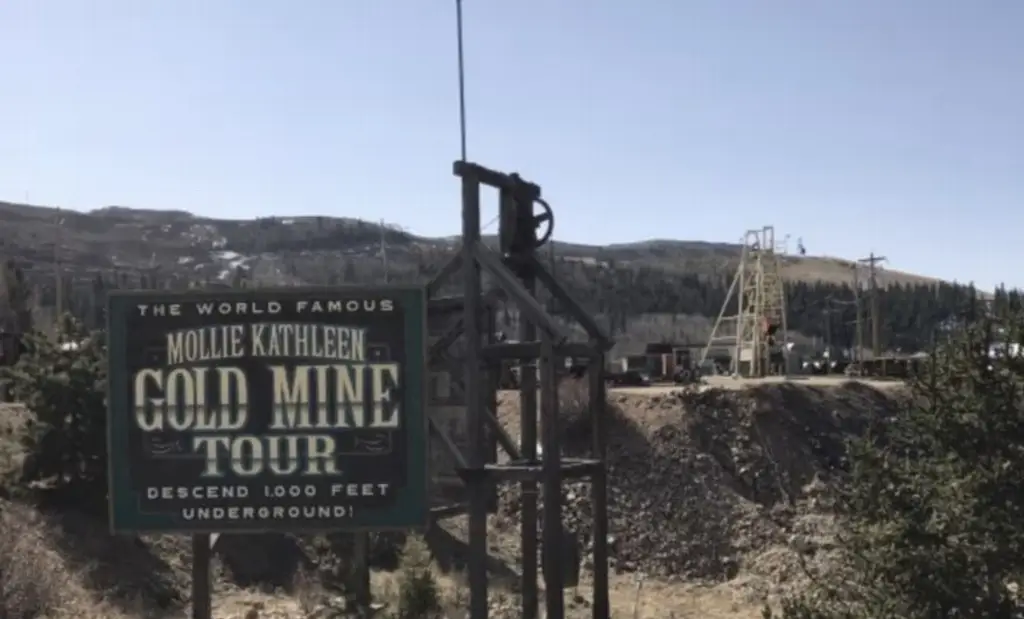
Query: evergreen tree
[(934, 500), (62, 383), (17, 295)]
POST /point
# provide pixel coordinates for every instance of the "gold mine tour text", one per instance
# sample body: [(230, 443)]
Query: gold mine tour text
[(265, 308), (290, 340), (310, 403), (266, 500)]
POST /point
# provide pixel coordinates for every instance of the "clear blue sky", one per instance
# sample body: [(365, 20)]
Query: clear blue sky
[(893, 126)]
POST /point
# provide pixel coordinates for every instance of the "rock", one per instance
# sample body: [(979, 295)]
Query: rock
[(802, 544)]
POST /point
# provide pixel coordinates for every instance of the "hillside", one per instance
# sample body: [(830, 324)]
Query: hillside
[(644, 291), (305, 250)]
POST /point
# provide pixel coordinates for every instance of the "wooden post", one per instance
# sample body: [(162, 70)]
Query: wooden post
[(202, 585), (360, 573)]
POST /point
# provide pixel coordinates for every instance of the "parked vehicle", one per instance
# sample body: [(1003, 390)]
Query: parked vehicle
[(630, 378), (686, 376)]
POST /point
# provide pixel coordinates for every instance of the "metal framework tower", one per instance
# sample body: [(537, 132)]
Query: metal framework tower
[(757, 332), (544, 343)]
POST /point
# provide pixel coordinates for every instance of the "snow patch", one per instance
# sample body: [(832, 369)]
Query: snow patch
[(226, 255), (205, 234), (233, 258)]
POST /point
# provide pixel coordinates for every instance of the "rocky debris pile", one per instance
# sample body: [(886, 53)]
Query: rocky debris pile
[(701, 480)]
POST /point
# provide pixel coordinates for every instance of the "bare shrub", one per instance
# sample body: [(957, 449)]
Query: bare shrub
[(574, 409), (573, 395), (309, 593)]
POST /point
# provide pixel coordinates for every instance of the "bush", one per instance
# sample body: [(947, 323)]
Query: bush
[(933, 504), (64, 389)]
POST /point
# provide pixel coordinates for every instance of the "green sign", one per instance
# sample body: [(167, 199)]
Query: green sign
[(286, 409)]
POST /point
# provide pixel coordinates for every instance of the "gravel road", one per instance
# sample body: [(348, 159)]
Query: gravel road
[(726, 382)]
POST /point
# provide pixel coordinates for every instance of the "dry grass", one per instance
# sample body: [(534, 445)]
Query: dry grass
[(35, 580), (12, 420), (662, 600), (658, 599), (311, 599)]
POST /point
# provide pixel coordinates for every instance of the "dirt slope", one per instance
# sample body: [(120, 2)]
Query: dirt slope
[(719, 485)]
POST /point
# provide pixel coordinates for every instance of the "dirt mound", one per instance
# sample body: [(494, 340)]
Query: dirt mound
[(701, 482)]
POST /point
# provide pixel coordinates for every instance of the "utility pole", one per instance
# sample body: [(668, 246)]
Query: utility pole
[(858, 328), (58, 224), (828, 326), (872, 261), (384, 249)]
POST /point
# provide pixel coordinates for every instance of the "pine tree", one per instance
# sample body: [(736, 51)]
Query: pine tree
[(934, 501), (17, 293), (62, 382)]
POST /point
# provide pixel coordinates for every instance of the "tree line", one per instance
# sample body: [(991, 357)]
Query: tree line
[(910, 314)]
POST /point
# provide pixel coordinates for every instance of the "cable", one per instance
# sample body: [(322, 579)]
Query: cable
[(462, 78)]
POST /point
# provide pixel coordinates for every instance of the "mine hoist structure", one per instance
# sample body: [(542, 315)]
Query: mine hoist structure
[(542, 345), (756, 335)]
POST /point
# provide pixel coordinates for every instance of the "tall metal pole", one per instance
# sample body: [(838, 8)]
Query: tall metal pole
[(462, 79), (477, 487)]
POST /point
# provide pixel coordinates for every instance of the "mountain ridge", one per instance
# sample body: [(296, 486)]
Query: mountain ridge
[(118, 238)]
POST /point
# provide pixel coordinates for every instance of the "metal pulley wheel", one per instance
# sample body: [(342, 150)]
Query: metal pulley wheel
[(546, 216)]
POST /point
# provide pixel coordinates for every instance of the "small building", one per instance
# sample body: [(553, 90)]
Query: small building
[(633, 362)]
